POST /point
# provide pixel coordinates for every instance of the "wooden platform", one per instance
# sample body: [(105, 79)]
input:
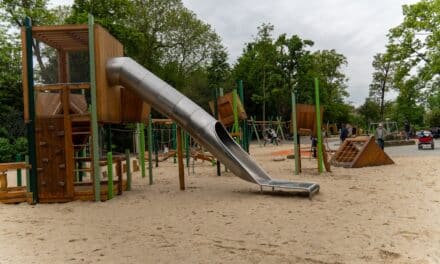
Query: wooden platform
[(360, 152), (82, 192)]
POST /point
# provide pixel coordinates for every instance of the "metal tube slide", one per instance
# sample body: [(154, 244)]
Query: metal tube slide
[(201, 125)]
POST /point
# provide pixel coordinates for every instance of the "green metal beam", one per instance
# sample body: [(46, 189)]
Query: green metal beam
[(295, 134), (95, 127), (110, 175), (19, 177), (141, 134), (150, 150), (30, 126), (318, 126)]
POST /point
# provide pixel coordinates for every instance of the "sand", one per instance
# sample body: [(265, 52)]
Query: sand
[(386, 214)]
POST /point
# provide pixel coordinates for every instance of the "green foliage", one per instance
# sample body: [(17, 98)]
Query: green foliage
[(433, 118), (271, 69), (6, 150), (20, 146)]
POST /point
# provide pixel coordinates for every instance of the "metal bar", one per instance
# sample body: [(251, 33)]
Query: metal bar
[(19, 177), (94, 114), (318, 126), (28, 175), (150, 150), (235, 127), (30, 126), (128, 168), (110, 175), (295, 134)]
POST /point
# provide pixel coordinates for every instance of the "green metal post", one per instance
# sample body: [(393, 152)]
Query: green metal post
[(94, 114), (28, 175), (19, 182), (150, 150), (30, 126), (245, 139), (318, 127), (295, 134), (141, 133), (110, 174), (128, 168)]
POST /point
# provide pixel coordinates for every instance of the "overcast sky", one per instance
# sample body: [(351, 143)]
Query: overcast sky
[(355, 28)]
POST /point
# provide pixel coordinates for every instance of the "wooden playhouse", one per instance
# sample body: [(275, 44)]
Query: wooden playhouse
[(63, 119)]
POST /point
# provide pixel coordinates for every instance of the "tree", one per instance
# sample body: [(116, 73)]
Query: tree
[(369, 111), (258, 68), (219, 69), (415, 42), (327, 66), (382, 79)]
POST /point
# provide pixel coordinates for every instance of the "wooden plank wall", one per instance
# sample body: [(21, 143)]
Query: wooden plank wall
[(108, 98), (306, 117), (225, 109)]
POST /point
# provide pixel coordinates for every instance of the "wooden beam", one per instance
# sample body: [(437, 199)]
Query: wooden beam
[(82, 27), (13, 166), (180, 159), (60, 86)]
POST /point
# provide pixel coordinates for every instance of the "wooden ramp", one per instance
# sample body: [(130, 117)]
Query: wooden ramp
[(360, 152)]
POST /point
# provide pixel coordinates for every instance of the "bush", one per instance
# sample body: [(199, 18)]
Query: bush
[(433, 118), (6, 150), (21, 146)]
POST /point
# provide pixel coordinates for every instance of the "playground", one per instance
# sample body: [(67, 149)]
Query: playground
[(384, 214), (126, 168)]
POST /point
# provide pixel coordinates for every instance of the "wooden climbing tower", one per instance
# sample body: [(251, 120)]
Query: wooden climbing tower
[(63, 118), (360, 152)]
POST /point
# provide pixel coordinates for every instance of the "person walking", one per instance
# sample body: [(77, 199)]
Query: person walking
[(407, 129), (380, 135), (344, 133)]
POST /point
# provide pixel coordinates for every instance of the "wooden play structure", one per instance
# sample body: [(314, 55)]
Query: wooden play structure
[(360, 152), (63, 118)]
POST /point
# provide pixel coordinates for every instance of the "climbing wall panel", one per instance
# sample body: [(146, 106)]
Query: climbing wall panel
[(360, 152), (54, 182)]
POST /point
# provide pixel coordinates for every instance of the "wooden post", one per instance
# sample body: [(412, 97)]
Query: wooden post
[(110, 174), (180, 159), (254, 127), (128, 168)]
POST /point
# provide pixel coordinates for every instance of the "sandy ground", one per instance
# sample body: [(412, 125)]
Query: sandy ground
[(387, 214)]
